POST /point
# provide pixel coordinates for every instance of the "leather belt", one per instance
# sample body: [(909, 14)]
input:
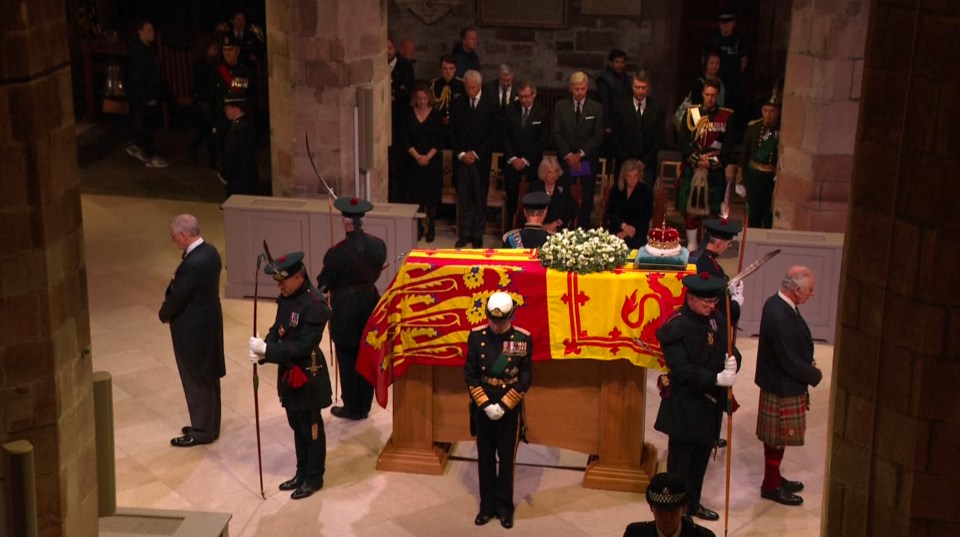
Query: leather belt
[(770, 168), (494, 381)]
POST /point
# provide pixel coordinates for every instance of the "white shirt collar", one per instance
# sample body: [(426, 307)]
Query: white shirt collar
[(193, 246), (640, 104), (786, 299), (392, 63)]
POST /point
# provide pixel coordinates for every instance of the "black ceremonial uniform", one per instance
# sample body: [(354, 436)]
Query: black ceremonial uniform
[(239, 164), (691, 407), (707, 262), (649, 529), (231, 80), (293, 343), (350, 271), (444, 93), (498, 369), (529, 236)]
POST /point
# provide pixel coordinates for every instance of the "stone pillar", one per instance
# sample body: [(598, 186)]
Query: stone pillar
[(45, 371), (895, 418), (820, 111), (319, 52)]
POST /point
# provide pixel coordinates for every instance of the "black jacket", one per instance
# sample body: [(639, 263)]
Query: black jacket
[(239, 164), (293, 343), (785, 352), (695, 349), (192, 307), (350, 271), (639, 137), (526, 142), (634, 211), (649, 529), (476, 129), (144, 83)]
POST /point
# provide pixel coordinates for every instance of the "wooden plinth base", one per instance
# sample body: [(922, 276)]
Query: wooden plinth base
[(621, 478), (430, 461)]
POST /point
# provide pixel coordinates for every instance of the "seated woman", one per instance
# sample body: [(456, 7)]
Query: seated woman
[(630, 205), (562, 210)]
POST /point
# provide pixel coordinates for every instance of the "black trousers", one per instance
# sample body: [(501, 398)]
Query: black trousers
[(357, 393), (144, 120), (759, 187), (203, 403), (310, 441), (690, 460), (496, 440), (473, 185)]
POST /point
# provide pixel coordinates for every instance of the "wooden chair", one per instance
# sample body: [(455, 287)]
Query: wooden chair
[(496, 197), (576, 191), (524, 187)]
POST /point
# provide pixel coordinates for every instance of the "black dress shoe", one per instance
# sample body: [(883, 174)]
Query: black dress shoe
[(780, 495), (185, 441), (305, 490), (185, 429), (482, 518), (292, 484), (460, 243), (791, 486), (342, 412), (704, 513), (506, 521)]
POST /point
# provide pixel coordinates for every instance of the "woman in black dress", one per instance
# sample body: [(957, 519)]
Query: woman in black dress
[(562, 210), (630, 201), (424, 133)]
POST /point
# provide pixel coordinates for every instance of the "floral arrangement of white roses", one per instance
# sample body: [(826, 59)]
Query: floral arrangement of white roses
[(583, 251)]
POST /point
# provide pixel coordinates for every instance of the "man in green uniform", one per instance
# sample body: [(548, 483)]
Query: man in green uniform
[(350, 271), (703, 141), (758, 163), (694, 343), (532, 234), (303, 381), (498, 372), (720, 233)]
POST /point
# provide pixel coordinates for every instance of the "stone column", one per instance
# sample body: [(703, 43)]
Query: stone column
[(45, 371), (319, 52), (896, 401), (820, 111)]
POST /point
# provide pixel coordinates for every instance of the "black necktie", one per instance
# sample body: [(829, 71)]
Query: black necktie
[(503, 99), (578, 114), (526, 114), (473, 103)]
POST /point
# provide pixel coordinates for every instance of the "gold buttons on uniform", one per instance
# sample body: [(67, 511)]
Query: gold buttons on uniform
[(483, 343)]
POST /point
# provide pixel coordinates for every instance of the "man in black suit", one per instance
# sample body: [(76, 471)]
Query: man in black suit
[(192, 307), (638, 125), (476, 128), (785, 370), (503, 89), (578, 134), (667, 496), (238, 168), (401, 84), (525, 138)]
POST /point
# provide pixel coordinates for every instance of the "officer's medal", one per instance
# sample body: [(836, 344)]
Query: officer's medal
[(515, 348), (294, 319)]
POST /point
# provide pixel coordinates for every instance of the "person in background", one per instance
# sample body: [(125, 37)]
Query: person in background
[(146, 91), (465, 51), (423, 139), (667, 496), (562, 210), (238, 168), (630, 206)]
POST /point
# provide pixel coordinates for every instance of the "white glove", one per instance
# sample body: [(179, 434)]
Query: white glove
[(728, 376), (254, 358), (736, 292), (494, 411), (258, 345), (740, 190)]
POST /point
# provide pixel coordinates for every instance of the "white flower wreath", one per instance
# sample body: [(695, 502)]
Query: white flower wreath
[(583, 252)]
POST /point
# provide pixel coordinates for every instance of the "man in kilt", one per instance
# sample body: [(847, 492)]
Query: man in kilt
[(785, 370)]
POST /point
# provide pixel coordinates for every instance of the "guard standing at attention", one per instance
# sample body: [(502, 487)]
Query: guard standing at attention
[(303, 381), (694, 395), (350, 271), (498, 372)]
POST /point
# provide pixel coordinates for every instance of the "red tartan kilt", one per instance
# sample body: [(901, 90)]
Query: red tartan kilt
[(781, 421)]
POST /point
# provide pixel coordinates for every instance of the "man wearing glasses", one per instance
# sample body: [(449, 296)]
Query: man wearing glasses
[(694, 394)]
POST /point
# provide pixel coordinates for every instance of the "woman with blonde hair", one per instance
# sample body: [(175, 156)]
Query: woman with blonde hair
[(629, 210), (423, 134)]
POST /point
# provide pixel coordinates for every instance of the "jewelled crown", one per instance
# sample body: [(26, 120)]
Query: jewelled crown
[(663, 237)]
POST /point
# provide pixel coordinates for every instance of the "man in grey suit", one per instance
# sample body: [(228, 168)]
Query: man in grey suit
[(192, 307), (578, 134)]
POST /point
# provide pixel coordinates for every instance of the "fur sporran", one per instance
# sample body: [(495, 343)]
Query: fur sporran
[(698, 202)]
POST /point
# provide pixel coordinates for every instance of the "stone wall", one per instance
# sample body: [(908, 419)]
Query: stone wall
[(896, 425), (45, 370), (820, 112), (319, 52), (549, 56)]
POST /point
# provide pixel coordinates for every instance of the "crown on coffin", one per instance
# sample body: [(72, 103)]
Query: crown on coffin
[(663, 237)]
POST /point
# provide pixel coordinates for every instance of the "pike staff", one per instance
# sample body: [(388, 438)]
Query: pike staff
[(256, 376)]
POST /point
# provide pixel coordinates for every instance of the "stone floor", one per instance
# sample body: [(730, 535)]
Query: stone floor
[(129, 262)]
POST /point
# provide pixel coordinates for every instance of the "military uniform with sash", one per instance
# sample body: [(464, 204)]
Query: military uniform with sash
[(758, 162), (498, 372), (231, 80), (350, 272), (692, 403), (532, 234), (303, 380), (704, 133)]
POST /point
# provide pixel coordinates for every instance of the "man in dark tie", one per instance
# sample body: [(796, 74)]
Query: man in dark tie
[(638, 126), (524, 140), (476, 128), (578, 134), (192, 307), (785, 371)]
